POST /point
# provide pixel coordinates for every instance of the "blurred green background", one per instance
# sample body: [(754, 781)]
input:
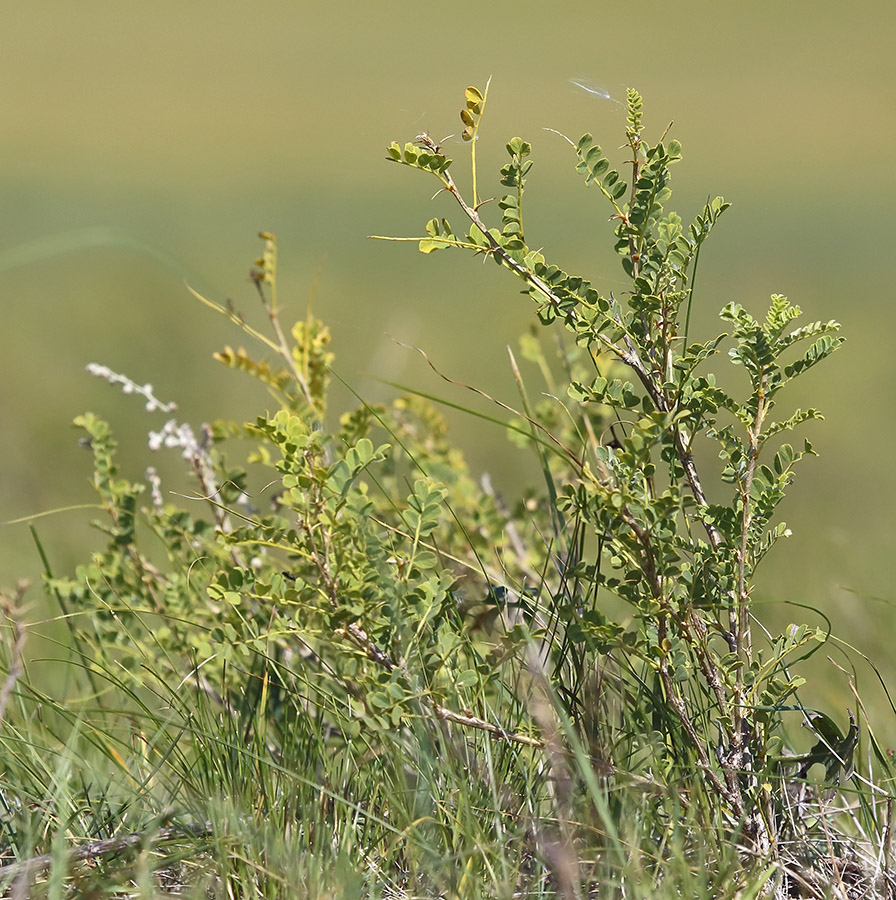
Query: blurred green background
[(145, 145)]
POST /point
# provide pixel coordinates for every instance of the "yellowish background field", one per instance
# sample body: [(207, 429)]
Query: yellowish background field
[(146, 144)]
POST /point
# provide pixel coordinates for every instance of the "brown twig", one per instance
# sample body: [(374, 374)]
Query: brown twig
[(28, 868)]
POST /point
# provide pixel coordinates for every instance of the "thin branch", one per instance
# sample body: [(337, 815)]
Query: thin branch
[(360, 637), (28, 868)]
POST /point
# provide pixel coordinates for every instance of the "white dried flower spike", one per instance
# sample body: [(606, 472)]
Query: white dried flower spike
[(152, 476), (176, 436), (128, 386)]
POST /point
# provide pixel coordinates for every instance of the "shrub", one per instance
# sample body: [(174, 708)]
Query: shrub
[(346, 664)]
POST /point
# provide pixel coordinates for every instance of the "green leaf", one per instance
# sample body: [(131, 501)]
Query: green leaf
[(428, 246), (379, 700), (821, 349), (424, 507)]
